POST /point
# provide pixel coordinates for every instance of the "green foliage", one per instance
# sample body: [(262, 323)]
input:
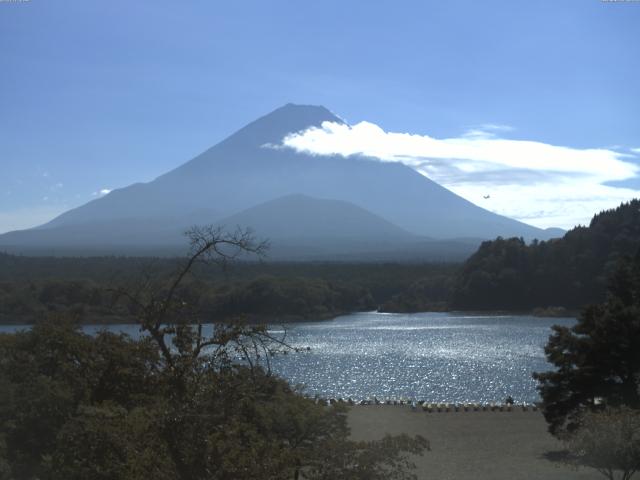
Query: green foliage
[(598, 359), (508, 274), (49, 372), (179, 403), (273, 297), (427, 294), (361, 460), (75, 406), (31, 288), (110, 442)]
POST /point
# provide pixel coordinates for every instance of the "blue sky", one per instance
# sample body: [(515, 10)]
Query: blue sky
[(96, 95)]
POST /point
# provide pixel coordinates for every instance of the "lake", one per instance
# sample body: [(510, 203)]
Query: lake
[(437, 357)]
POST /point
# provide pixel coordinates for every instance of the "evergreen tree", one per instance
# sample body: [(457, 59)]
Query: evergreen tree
[(598, 359)]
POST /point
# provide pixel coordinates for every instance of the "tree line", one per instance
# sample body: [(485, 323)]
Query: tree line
[(572, 272), (31, 287), (504, 274), (262, 298)]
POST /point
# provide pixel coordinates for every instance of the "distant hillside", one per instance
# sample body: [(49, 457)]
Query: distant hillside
[(298, 227), (251, 168), (569, 272), (304, 217), (304, 228)]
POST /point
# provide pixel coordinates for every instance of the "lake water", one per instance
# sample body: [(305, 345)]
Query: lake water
[(437, 357)]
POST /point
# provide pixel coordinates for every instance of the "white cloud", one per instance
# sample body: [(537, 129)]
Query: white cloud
[(635, 150), (496, 127), (102, 192), (542, 184), (487, 130)]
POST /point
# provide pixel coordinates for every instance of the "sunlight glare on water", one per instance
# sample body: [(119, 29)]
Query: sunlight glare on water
[(437, 357)]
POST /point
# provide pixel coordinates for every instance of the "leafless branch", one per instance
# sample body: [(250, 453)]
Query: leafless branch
[(162, 314)]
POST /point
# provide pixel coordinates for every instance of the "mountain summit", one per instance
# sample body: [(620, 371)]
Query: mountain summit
[(252, 168), (273, 127)]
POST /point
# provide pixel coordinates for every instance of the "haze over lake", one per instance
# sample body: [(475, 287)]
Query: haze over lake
[(437, 357)]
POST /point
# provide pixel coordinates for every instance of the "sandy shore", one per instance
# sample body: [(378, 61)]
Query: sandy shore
[(472, 445)]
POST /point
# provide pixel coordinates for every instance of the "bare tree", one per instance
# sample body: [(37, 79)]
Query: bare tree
[(176, 325), (608, 441)]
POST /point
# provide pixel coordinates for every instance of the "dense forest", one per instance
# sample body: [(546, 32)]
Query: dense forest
[(556, 277), (31, 287), (570, 272)]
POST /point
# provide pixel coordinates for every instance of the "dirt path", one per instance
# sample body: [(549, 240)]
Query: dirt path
[(472, 445)]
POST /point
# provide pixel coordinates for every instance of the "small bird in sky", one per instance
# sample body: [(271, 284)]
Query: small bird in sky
[(486, 196)]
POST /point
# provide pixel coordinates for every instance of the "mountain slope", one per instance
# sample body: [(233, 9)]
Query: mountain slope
[(301, 227), (248, 169), (301, 216)]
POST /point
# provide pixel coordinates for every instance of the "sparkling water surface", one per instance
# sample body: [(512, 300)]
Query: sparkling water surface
[(437, 357)]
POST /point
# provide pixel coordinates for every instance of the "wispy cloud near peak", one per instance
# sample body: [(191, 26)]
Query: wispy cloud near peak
[(487, 130), (525, 177)]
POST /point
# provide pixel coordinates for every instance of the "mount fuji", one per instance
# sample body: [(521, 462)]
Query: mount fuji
[(308, 205)]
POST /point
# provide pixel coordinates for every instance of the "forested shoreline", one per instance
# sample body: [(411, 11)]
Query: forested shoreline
[(32, 287), (554, 278)]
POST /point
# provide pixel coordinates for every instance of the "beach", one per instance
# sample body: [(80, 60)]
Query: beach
[(472, 445)]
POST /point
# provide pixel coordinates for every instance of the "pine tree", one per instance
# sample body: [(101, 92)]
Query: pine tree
[(598, 359)]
